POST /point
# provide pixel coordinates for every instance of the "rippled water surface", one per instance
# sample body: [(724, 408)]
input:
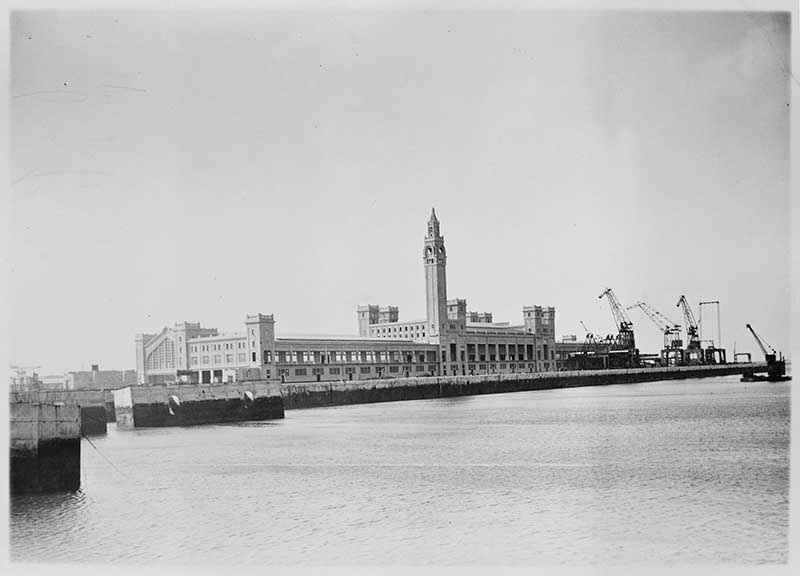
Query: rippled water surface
[(692, 471)]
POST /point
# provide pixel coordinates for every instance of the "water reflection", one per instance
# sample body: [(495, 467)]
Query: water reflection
[(691, 471)]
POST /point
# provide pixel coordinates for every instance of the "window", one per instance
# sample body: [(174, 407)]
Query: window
[(254, 356), (365, 370), (394, 368), (299, 371), (318, 371), (335, 370), (217, 358), (420, 368), (242, 357), (205, 359), (229, 358), (194, 360)]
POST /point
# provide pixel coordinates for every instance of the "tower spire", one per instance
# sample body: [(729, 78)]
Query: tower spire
[(433, 225)]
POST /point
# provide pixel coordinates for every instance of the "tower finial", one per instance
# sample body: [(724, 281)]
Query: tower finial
[(433, 216)]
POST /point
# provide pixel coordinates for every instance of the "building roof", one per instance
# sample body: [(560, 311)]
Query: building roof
[(222, 336), (341, 338)]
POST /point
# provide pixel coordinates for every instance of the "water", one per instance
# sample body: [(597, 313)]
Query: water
[(694, 471)]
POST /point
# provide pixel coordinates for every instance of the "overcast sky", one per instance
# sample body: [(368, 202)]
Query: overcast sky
[(204, 166)]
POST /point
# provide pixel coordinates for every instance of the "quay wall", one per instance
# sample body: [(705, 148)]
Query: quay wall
[(91, 402), (192, 404), (108, 397), (318, 394), (45, 447)]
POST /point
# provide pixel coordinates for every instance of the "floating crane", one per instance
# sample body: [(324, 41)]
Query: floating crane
[(776, 365), (625, 351), (672, 353)]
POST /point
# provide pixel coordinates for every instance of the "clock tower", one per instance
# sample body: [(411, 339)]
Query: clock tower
[(435, 260)]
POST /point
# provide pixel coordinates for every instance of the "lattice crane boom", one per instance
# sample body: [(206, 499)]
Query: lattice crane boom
[(663, 323), (761, 342), (691, 323), (620, 317)]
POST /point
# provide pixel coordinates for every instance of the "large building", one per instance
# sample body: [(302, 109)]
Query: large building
[(449, 340)]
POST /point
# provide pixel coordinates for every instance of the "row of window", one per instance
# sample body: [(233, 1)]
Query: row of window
[(413, 330), (363, 357), (336, 371), (351, 357), (206, 359), (216, 347)]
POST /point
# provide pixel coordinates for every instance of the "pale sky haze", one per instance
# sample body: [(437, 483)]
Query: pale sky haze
[(203, 166)]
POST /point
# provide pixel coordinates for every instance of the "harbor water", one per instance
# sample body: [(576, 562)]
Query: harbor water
[(690, 471)]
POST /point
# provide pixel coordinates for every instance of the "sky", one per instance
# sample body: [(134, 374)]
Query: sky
[(204, 166)]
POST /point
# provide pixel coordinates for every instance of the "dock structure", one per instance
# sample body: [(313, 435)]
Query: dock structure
[(319, 394), (251, 397), (45, 444)]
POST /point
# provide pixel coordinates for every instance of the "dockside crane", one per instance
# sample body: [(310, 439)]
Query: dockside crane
[(625, 345), (694, 352), (776, 365), (672, 353)]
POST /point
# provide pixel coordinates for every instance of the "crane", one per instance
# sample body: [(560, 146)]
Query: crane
[(691, 324), (623, 323), (21, 371), (776, 366), (670, 329)]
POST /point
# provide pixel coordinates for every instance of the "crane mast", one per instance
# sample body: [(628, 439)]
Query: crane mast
[(761, 343), (691, 324), (625, 338), (776, 367)]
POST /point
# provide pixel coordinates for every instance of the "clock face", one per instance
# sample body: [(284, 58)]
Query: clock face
[(441, 250), (430, 251)]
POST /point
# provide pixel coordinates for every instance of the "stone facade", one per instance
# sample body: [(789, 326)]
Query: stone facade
[(449, 340)]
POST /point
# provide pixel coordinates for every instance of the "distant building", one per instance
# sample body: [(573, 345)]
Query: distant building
[(470, 342), (449, 340), (22, 382), (96, 379)]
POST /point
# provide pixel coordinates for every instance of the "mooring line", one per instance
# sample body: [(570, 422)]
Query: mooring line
[(103, 455)]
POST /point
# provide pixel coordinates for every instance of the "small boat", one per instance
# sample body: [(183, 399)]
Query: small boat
[(765, 377)]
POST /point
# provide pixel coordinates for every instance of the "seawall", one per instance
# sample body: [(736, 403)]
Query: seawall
[(317, 394), (45, 446), (193, 404)]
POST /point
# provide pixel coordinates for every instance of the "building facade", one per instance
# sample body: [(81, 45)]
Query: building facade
[(449, 340), (469, 342)]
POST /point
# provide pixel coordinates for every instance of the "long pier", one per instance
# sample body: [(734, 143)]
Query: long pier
[(319, 394)]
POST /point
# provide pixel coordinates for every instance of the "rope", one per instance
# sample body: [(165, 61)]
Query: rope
[(104, 456)]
